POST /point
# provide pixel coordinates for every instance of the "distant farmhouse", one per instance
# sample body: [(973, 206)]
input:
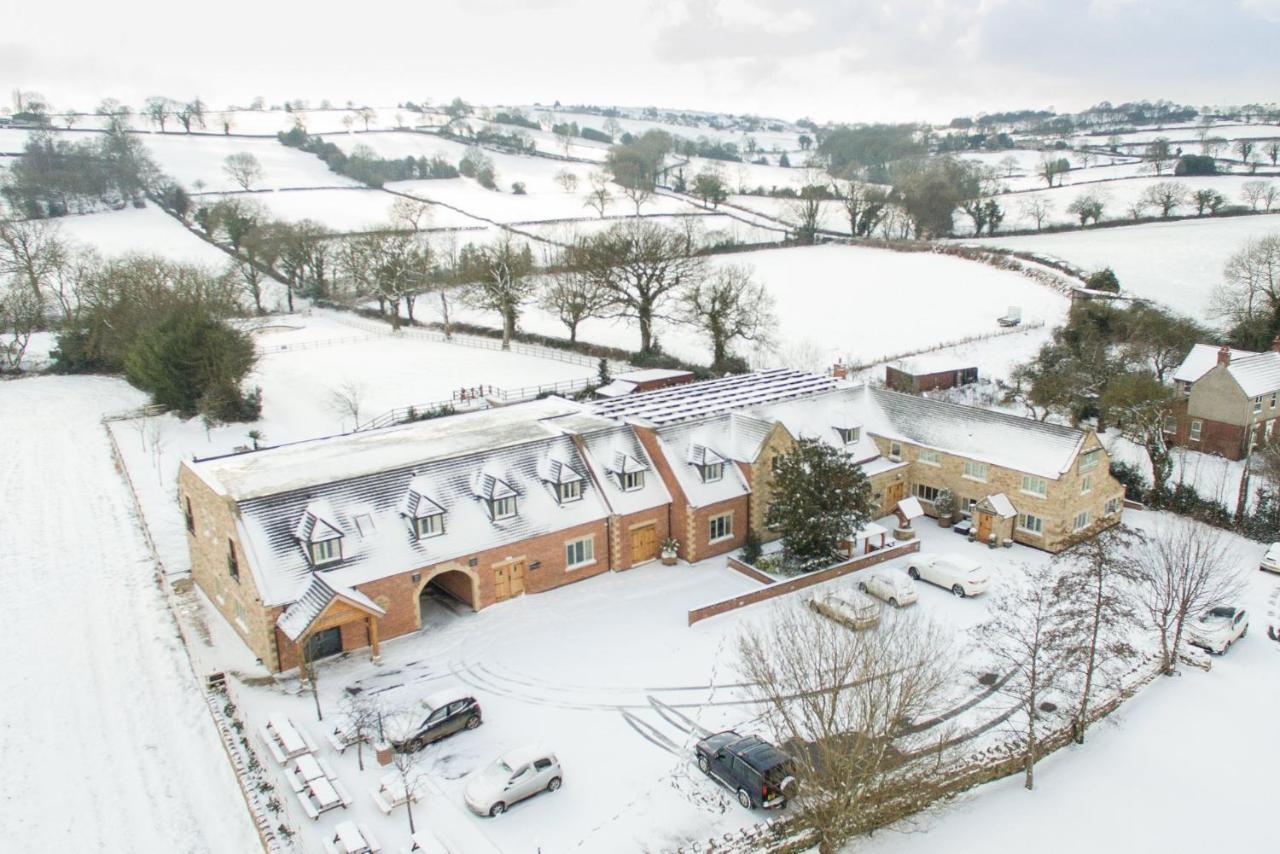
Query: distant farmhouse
[(1227, 400), (339, 542)]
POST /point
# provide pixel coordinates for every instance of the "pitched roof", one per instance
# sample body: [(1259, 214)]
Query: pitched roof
[(1257, 375), (711, 397), (1201, 360), (718, 438), (317, 524), (614, 451), (299, 616)]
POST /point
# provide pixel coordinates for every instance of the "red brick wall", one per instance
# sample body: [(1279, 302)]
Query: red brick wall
[(661, 519), (702, 546)]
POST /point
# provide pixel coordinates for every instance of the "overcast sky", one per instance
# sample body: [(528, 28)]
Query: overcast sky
[(854, 60)]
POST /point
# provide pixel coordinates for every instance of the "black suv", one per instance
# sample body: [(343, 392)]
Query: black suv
[(446, 714), (757, 771)]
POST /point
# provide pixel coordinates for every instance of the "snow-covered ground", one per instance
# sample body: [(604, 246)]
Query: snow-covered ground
[(106, 743), (1175, 263), (198, 158), (140, 231), (356, 209)]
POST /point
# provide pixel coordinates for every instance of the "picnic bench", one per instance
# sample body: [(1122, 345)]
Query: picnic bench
[(351, 838), (425, 842), (306, 769), (322, 795), (285, 740), (340, 740), (390, 793)]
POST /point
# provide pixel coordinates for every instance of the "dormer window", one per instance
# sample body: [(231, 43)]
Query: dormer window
[(502, 508), (570, 491), (561, 477), (632, 480), (326, 551), (629, 472), (710, 464), (429, 526), (712, 472), (849, 435)]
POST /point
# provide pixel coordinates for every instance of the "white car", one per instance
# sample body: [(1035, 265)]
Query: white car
[(1271, 560), (1218, 628), (852, 607), (892, 587), (516, 775), (960, 575)]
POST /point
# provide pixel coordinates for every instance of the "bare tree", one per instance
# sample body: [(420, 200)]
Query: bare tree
[(1185, 568), (345, 400), (258, 251), (411, 766), (21, 315), (638, 193), (729, 306), (192, 112), (243, 168), (366, 115), (1257, 193), (1272, 150), (1008, 165), (1052, 167), (567, 180), (361, 721), (839, 701), (1214, 146), (1026, 637), (1087, 206), (806, 210), (1038, 209), (1165, 196), (411, 214), (32, 252), (1251, 281), (1160, 154), (1244, 147), (573, 296), (1097, 604), (159, 109), (864, 204), (599, 196), (497, 278)]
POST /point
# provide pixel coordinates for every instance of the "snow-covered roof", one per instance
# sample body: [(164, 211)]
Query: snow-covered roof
[(617, 388), (552, 469), (1000, 505), (870, 529), (691, 401), (1201, 360), (1257, 375), (911, 507), (321, 461), (317, 524), (418, 503), (821, 416), (733, 439), (648, 375), (295, 619), (983, 435), (615, 451)]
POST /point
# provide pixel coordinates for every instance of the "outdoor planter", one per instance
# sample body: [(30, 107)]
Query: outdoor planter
[(945, 521), (669, 549), (668, 558)]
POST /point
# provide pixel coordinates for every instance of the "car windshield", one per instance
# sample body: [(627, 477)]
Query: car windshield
[(1221, 611), (505, 768)]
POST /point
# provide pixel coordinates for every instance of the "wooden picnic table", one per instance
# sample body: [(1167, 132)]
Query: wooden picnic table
[(391, 793), (285, 740), (321, 795), (355, 839), (426, 842), (306, 769)]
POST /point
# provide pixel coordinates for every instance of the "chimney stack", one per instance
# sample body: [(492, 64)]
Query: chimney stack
[(1224, 355)]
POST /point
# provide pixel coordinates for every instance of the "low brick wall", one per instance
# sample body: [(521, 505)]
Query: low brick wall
[(750, 571), (782, 588)]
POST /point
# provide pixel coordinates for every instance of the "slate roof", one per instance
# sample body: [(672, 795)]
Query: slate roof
[(314, 599), (692, 401), (1257, 375), (613, 451), (724, 437), (1201, 360)]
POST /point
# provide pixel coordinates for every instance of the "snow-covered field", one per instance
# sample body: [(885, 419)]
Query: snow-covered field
[(192, 159), (356, 209), (105, 741), (142, 231), (1176, 263)]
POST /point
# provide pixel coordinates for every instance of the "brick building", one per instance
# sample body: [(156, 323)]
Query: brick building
[(337, 544), (1227, 400)]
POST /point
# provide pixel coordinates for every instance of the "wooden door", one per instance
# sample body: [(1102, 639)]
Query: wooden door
[(892, 495), (517, 578), (644, 544), (984, 525), (502, 582)]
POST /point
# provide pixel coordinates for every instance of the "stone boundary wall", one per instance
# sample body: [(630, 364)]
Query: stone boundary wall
[(782, 588)]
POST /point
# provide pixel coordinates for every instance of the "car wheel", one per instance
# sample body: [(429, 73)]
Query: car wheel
[(744, 799), (862, 585), (704, 765), (893, 602), (958, 590), (472, 722), (554, 784), (497, 809), (1245, 632), (914, 573)]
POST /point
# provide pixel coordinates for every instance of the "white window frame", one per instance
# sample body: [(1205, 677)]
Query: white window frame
[(895, 450), (497, 508), (1113, 506), (727, 520), (586, 548), (1257, 405), (1194, 432), (429, 526), (1089, 460), (709, 468), (922, 488), (1086, 484), (1025, 524), (1030, 482), (324, 552), (971, 467), (569, 490), (929, 457), (849, 435), (1170, 424), (1080, 522), (632, 481)]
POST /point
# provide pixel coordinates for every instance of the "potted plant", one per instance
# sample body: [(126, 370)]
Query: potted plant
[(945, 506), (669, 548)]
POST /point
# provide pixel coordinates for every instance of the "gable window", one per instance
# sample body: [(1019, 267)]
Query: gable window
[(233, 563), (1195, 430), (849, 435), (775, 463), (570, 491), (720, 528), (502, 508), (1113, 507), (429, 526), (926, 493), (975, 471), (1273, 400), (712, 472), (1186, 387), (1089, 460), (580, 552), (895, 450), (1170, 424), (930, 457), (1081, 521), (326, 551), (1257, 405), (1086, 484), (1030, 524), (191, 518), (1033, 485), (632, 480)]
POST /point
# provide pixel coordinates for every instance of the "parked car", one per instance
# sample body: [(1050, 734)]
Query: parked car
[(960, 575), (896, 588), (447, 712), (1271, 560), (516, 775), (1218, 628), (851, 606), (756, 771), (1273, 629)]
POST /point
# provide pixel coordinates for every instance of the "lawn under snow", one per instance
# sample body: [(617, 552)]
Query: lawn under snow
[(1176, 263), (140, 231), (355, 209), (201, 158), (106, 742)]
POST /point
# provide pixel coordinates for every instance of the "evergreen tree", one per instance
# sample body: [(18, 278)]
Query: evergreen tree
[(820, 498)]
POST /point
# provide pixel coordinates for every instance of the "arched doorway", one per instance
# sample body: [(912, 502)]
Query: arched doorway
[(446, 594)]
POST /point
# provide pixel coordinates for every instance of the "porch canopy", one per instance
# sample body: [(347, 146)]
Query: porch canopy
[(325, 606)]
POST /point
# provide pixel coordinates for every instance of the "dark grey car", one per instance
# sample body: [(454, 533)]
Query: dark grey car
[(446, 715), (757, 772)]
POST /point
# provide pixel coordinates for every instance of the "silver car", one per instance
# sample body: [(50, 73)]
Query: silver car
[(896, 588), (516, 775)]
